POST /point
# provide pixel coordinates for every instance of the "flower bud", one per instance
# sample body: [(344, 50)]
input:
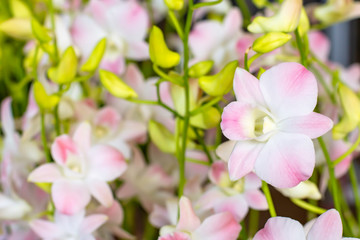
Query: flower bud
[(220, 83), (19, 9), (351, 118), (40, 33), (43, 100), (303, 190), (95, 58), (304, 23), (65, 72), (200, 69), (286, 19), (162, 137), (19, 28), (174, 4), (207, 119), (159, 52), (270, 42), (116, 86)]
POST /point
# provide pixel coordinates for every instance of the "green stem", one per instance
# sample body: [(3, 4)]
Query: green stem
[(198, 161), (205, 106), (57, 120), (165, 76), (307, 206), (161, 103), (43, 137), (182, 179), (203, 145), (335, 191), (253, 58), (140, 101), (176, 23), (323, 83), (355, 187), (206, 4), (245, 12), (269, 200), (253, 222), (301, 48), (347, 153), (246, 61)]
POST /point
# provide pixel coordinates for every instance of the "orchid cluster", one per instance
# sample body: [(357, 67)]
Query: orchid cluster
[(176, 120)]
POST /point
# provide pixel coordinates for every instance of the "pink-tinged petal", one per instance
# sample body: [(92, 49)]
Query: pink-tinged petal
[(126, 16), (138, 51), (188, 221), (86, 34), (224, 150), (175, 236), (256, 199), (289, 89), (107, 117), (45, 173), (134, 77), (126, 191), (7, 120), (337, 149), (312, 125), (203, 38), (131, 130), (218, 226), (217, 171), (243, 157), (62, 147), (210, 198), (351, 76), (252, 182), (319, 45), (46, 229), (328, 226), (236, 205), (115, 213), (232, 23), (238, 121), (286, 160), (82, 136), (281, 228), (247, 88), (105, 163), (116, 66), (101, 191), (70, 197), (93, 222)]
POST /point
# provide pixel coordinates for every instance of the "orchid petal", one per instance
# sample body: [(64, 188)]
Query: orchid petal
[(45, 173), (328, 226)]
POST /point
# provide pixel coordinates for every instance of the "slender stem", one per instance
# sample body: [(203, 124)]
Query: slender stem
[(253, 222), (161, 103), (206, 4), (335, 191), (347, 153), (57, 120), (165, 76), (355, 187), (198, 161), (253, 58), (203, 145), (301, 48), (246, 61), (308, 206), (182, 179), (205, 106), (321, 64), (140, 101), (269, 200), (245, 12), (323, 83), (176, 23), (43, 137)]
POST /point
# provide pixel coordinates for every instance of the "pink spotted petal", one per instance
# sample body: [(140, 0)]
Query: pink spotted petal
[(105, 163), (101, 191), (289, 89), (48, 172), (312, 125), (243, 157), (188, 221), (82, 136), (256, 199), (247, 88), (62, 147), (236, 205), (46, 229), (281, 228), (328, 226), (93, 222), (286, 160), (238, 121), (70, 196), (218, 226)]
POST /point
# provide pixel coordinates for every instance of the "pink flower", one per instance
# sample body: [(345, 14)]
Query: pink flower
[(328, 226), (273, 123), (189, 226), (80, 170), (234, 197), (68, 227)]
